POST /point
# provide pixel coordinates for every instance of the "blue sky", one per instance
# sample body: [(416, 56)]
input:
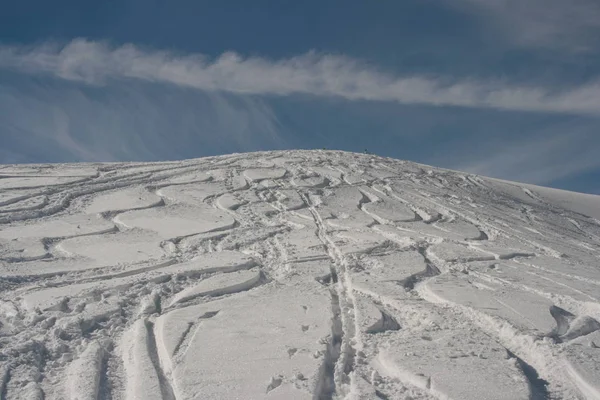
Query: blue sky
[(506, 88)]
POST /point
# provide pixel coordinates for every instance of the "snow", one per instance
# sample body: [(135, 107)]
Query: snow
[(83, 374), (173, 221), (219, 285), (123, 200), (293, 314), (141, 376), (294, 275)]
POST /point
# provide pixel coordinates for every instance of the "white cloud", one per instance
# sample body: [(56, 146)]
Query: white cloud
[(541, 158), (42, 121), (566, 24), (313, 74)]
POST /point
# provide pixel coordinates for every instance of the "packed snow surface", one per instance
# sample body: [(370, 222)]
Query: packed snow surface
[(294, 275)]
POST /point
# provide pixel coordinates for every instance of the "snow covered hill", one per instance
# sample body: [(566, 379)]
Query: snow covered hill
[(294, 275)]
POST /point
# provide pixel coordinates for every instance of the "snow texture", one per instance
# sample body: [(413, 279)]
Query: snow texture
[(294, 275)]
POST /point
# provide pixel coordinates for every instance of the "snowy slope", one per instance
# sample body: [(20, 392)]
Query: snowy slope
[(294, 275)]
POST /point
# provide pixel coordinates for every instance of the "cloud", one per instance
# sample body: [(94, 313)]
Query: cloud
[(57, 121), (97, 63), (542, 158), (569, 25)]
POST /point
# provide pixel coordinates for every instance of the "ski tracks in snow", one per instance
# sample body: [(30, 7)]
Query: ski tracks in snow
[(339, 362), (317, 275)]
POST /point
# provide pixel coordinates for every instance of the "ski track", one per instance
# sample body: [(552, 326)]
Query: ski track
[(341, 352), (319, 220)]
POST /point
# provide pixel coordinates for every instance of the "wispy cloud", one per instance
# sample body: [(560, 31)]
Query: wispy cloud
[(313, 74), (543, 157), (569, 25), (61, 121)]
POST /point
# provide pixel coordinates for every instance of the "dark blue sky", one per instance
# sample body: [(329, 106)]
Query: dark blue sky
[(504, 88)]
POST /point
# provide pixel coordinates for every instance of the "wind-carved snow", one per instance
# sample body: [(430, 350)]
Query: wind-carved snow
[(294, 275)]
